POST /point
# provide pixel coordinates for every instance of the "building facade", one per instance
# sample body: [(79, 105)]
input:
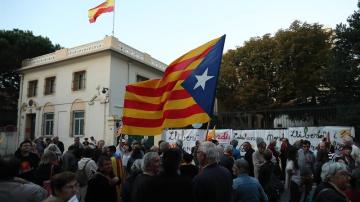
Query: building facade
[(79, 92)]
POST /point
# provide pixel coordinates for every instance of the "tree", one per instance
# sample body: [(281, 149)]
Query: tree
[(15, 46), (344, 72), (268, 72)]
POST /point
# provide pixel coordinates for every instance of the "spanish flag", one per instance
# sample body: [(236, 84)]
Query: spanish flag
[(185, 95), (107, 6)]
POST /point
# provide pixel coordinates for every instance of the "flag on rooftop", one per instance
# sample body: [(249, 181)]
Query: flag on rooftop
[(183, 96), (107, 6)]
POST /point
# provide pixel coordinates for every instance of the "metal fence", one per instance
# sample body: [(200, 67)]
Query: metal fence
[(344, 115)]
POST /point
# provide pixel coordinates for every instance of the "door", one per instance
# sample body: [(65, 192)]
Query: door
[(30, 126)]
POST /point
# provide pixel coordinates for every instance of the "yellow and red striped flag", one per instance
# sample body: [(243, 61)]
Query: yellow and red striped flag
[(107, 6), (185, 95)]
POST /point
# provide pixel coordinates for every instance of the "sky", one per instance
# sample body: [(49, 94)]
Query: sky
[(166, 29)]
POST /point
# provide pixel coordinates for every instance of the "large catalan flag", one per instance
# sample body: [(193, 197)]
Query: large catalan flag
[(107, 6), (185, 95)]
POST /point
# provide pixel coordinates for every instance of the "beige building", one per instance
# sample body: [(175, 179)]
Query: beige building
[(79, 92)]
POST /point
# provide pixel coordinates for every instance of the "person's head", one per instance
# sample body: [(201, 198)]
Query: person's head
[(171, 160), (346, 137), (86, 139), (336, 173), (261, 144), (179, 144), (92, 138), (164, 146), (71, 148), (25, 146), (240, 166), (87, 153), (77, 140), (346, 150), (160, 141), (151, 163), (64, 185), (285, 141), (100, 144), (47, 140), (104, 164), (267, 155), (49, 157), (197, 143), (55, 139), (234, 143), (136, 166), (207, 153), (322, 146), (9, 167), (228, 149), (154, 148), (246, 146), (112, 150), (188, 158), (306, 145)]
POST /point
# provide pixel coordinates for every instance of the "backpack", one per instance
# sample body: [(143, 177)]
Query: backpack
[(81, 175)]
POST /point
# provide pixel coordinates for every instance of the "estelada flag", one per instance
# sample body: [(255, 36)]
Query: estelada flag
[(185, 95), (107, 6)]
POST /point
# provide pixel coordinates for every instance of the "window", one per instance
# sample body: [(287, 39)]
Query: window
[(78, 123), (49, 85), (48, 124), (32, 87), (141, 78), (79, 79)]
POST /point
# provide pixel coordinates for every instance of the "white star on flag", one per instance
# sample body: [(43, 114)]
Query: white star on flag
[(201, 79)]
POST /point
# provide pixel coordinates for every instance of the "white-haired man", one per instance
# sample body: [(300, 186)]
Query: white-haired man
[(214, 183)]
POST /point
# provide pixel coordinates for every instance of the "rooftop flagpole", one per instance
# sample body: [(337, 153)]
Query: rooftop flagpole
[(113, 19)]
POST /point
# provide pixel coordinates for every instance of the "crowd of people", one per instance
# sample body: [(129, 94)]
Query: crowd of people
[(90, 171)]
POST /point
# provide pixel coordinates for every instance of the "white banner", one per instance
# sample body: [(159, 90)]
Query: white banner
[(224, 136)]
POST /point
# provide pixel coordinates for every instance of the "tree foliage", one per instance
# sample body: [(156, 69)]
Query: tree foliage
[(344, 71), (284, 69), (15, 46)]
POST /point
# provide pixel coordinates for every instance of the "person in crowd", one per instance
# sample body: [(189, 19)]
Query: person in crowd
[(306, 162), (187, 169), (180, 186), (53, 148), (272, 148), (269, 177), (102, 187), (69, 161), (214, 182), (47, 142), (249, 156), (64, 187), (87, 165), (236, 151), (40, 146), (128, 184), (284, 148), (144, 146), (117, 168), (126, 155), (92, 141), (99, 150), (246, 188), (179, 146), (355, 151), (135, 154), (194, 151), (353, 193), (86, 142), (77, 144), (49, 165), (28, 160), (227, 159), (58, 143), (258, 156), (322, 156), (345, 157), (163, 147), (141, 189), (13, 188), (293, 177), (220, 149), (335, 179)]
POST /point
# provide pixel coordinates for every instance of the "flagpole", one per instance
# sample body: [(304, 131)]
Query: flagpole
[(113, 19), (207, 130)]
